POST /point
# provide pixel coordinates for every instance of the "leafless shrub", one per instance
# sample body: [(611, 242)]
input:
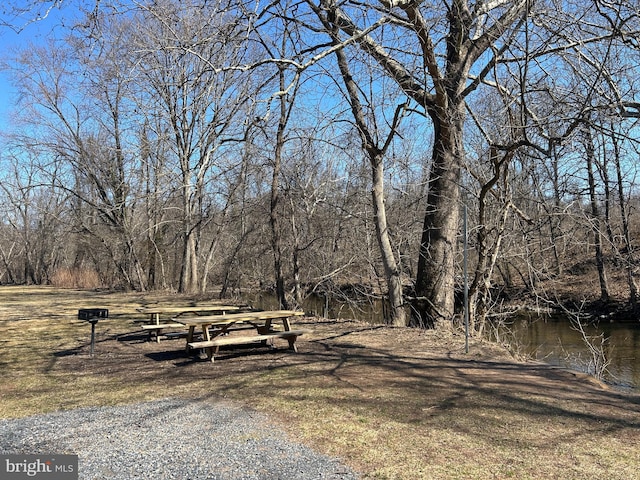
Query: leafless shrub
[(596, 362), (500, 330), (75, 278)]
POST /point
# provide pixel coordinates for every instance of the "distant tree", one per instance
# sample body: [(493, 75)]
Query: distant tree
[(73, 104), (32, 229), (595, 216), (181, 49), (286, 88)]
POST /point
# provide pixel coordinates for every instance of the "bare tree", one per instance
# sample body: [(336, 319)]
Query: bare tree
[(33, 216), (180, 47), (376, 154), (595, 216), (625, 214), (286, 92), (74, 118), (447, 45)]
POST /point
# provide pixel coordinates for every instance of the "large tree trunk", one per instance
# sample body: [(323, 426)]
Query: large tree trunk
[(189, 271), (435, 280)]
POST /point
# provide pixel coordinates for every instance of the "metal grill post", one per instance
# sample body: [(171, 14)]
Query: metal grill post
[(92, 315), (93, 335)]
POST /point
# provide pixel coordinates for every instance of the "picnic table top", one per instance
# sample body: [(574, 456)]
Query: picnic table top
[(187, 308), (237, 317)]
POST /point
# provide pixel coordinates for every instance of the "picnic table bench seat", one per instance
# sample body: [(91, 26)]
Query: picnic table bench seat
[(182, 334), (215, 343), (156, 328)]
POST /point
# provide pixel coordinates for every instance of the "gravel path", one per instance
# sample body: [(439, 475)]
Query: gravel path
[(169, 439)]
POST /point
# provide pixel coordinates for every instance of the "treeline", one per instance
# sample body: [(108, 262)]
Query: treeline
[(200, 145)]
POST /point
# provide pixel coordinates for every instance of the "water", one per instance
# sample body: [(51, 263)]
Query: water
[(557, 342), (321, 306), (549, 339)]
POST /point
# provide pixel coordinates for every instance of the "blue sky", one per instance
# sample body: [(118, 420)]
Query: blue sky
[(10, 41)]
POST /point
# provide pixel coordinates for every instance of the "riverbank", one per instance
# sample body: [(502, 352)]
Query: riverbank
[(392, 403)]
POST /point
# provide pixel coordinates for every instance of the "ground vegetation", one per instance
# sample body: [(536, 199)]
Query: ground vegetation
[(391, 402)]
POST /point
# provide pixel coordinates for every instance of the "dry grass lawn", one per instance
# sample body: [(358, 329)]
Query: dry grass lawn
[(391, 403)]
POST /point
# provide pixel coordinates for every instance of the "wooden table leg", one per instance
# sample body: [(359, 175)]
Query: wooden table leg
[(206, 336), (286, 323), (292, 343), (190, 336), (154, 318), (205, 333)]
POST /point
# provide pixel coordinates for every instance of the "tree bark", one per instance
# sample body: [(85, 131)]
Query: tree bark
[(274, 215), (189, 270), (391, 268), (435, 280)]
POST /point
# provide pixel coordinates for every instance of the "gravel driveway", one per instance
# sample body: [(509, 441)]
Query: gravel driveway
[(169, 439)]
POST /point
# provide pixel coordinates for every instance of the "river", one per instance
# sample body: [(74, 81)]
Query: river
[(556, 341), (549, 339)]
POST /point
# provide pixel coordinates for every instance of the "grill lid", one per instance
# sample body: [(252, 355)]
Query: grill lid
[(93, 313)]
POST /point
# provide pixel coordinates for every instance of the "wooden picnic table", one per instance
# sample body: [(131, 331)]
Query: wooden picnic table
[(219, 330), (156, 326)]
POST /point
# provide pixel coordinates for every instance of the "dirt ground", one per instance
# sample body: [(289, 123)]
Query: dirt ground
[(393, 403)]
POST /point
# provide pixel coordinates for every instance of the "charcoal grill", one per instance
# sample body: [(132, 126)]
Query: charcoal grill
[(92, 315)]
